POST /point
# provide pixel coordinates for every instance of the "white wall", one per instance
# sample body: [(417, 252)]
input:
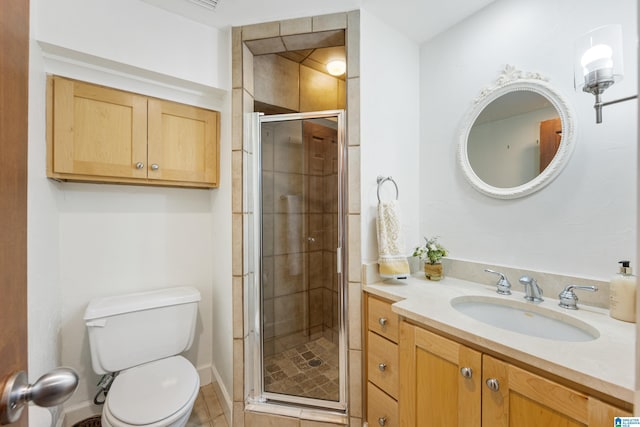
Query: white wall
[(43, 284), (389, 120), (584, 221), (137, 34), (91, 240)]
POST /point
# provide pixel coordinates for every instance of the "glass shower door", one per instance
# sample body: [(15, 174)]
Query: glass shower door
[(301, 289)]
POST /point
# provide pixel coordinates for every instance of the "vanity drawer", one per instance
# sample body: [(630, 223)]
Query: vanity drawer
[(381, 320), (381, 409), (382, 364)]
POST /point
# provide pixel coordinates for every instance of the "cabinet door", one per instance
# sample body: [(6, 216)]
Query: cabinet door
[(440, 381), (97, 131), (521, 398), (183, 143)]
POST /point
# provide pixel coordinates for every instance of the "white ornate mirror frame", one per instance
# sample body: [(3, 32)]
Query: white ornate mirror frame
[(513, 80)]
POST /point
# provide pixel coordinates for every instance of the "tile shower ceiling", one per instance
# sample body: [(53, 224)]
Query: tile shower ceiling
[(314, 50)]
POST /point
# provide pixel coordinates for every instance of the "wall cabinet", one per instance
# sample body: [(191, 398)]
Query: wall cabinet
[(99, 134), (443, 382)]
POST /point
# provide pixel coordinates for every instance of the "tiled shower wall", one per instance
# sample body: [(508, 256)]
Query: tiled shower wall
[(299, 210), (243, 101)]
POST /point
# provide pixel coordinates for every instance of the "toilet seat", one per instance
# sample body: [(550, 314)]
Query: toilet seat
[(154, 394)]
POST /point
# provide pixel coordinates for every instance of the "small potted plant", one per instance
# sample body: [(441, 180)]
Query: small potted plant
[(432, 253)]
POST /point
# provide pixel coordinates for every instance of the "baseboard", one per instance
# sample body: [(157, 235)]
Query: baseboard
[(204, 373), (222, 391), (78, 412)]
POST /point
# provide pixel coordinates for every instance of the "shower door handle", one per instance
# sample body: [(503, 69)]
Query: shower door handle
[(339, 260)]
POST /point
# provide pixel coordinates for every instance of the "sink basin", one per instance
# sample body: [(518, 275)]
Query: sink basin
[(525, 318)]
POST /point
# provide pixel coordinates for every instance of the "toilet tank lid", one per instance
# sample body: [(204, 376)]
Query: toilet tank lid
[(110, 306)]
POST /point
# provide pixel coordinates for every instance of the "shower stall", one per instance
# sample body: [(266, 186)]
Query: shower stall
[(295, 294)]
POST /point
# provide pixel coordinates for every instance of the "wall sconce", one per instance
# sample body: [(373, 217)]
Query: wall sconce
[(598, 64), (337, 67)]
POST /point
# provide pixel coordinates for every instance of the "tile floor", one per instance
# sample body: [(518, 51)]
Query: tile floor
[(309, 370), (207, 411)]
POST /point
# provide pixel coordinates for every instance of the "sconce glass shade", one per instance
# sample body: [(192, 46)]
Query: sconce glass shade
[(598, 59), (336, 67)]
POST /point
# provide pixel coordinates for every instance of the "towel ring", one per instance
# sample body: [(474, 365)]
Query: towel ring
[(381, 180)]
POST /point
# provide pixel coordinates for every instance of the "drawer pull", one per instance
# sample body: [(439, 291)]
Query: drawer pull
[(382, 367), (493, 384), (466, 372), (139, 165), (383, 321), (382, 421)]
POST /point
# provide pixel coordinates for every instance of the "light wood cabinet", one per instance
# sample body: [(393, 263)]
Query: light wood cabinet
[(99, 134), (521, 398), (382, 410), (440, 380), (381, 320), (443, 382), (382, 363)]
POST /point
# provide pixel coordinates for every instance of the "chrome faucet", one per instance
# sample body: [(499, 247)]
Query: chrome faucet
[(532, 290), (568, 298), (503, 287)]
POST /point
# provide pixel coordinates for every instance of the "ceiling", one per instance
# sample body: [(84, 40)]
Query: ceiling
[(419, 20)]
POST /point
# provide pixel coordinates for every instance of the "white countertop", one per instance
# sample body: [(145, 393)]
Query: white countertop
[(605, 364)]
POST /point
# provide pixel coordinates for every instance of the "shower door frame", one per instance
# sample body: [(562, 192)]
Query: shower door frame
[(254, 374)]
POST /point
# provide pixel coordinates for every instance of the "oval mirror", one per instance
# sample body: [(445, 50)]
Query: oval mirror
[(517, 136)]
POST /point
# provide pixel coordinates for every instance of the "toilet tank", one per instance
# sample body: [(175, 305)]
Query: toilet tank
[(132, 329)]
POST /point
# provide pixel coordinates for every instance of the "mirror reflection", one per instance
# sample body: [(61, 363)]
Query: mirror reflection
[(514, 139)]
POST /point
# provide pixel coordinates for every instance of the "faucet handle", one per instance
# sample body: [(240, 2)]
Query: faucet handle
[(569, 300), (503, 285)]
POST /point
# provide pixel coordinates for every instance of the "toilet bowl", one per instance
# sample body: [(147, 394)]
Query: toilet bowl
[(157, 394), (139, 337)]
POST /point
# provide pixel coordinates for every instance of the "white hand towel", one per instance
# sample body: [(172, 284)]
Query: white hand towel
[(392, 261)]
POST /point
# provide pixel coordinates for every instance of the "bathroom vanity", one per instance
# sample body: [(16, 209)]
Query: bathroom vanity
[(430, 363)]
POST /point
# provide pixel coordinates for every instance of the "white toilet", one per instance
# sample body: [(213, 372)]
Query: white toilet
[(141, 336)]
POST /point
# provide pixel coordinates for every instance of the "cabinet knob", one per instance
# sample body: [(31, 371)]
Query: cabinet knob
[(382, 321), (139, 165), (466, 372), (154, 167), (382, 421), (493, 384), (382, 367)]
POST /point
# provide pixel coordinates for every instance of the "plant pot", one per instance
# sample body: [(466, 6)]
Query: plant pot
[(433, 271)]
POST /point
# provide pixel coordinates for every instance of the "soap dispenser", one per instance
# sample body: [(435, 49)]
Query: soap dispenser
[(622, 294)]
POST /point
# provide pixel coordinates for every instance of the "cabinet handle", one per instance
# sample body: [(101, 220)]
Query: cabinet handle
[(139, 165), (382, 367), (382, 321), (154, 167), (466, 372), (493, 384), (382, 421)]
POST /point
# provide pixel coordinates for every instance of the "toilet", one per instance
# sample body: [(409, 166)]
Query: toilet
[(140, 337)]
